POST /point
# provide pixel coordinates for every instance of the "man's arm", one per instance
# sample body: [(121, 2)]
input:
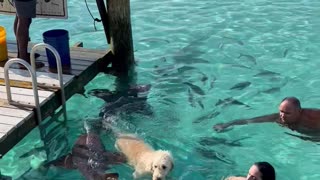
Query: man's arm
[(261, 119)]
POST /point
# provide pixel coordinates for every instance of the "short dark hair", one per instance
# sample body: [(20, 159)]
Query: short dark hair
[(295, 101), (267, 171)]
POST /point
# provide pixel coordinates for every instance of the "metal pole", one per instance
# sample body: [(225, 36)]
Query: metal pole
[(58, 61)]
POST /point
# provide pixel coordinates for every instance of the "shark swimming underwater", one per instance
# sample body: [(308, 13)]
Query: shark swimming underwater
[(134, 100), (89, 156), (112, 96)]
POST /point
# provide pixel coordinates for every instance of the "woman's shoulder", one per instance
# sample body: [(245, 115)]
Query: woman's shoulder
[(235, 178)]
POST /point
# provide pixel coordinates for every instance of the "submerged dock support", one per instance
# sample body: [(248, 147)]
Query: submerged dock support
[(121, 36)]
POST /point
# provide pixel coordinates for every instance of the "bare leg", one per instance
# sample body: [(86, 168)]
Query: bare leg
[(15, 25), (22, 35)]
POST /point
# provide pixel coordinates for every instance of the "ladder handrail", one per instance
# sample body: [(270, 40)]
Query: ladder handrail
[(34, 83), (59, 67), (33, 72)]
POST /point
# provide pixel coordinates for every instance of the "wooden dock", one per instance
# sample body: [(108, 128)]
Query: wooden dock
[(17, 121)]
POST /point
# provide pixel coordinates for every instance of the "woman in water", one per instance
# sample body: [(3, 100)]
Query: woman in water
[(258, 171)]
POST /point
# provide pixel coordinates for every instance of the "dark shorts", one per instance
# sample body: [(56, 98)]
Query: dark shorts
[(25, 8)]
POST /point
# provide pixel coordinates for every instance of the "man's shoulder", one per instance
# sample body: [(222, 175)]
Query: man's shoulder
[(311, 115), (311, 110)]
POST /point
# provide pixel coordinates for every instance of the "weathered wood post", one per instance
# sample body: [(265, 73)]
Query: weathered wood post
[(121, 36)]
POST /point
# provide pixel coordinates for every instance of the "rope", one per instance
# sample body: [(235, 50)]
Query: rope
[(94, 19)]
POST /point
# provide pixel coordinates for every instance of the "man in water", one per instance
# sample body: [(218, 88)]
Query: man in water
[(291, 115)]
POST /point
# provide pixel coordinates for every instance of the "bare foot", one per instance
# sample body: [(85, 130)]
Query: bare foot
[(36, 55), (38, 64)]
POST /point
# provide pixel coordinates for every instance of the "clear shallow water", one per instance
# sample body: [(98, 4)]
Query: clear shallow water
[(209, 37)]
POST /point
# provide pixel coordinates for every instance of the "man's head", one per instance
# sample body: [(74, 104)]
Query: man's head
[(290, 110)]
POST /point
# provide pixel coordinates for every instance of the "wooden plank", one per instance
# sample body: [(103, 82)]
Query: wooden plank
[(14, 112), (2, 135), (75, 52), (10, 120), (28, 85), (25, 96), (77, 64), (16, 134), (13, 47), (4, 104), (23, 99), (78, 44), (42, 77), (85, 53), (82, 62), (5, 128), (74, 60), (21, 78), (73, 66), (13, 43), (24, 91)]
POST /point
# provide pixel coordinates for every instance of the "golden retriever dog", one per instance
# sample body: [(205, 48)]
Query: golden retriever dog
[(144, 158)]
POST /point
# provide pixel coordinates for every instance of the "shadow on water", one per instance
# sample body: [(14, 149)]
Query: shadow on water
[(54, 130), (212, 141), (54, 141)]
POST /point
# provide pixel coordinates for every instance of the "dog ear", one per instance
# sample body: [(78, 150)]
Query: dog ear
[(172, 166), (171, 159), (151, 168)]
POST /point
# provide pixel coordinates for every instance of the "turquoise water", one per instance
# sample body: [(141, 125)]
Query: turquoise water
[(222, 43)]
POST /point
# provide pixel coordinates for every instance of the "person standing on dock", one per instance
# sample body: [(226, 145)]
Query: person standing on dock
[(25, 11)]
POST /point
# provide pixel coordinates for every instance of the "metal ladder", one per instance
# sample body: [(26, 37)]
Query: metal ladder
[(46, 137), (33, 73)]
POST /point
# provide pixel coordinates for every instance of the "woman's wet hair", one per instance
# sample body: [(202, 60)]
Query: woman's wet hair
[(295, 101), (267, 171)]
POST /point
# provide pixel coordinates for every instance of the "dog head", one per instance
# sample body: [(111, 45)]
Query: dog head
[(162, 164)]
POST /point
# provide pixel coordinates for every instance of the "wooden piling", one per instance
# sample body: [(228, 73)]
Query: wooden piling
[(121, 36)]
